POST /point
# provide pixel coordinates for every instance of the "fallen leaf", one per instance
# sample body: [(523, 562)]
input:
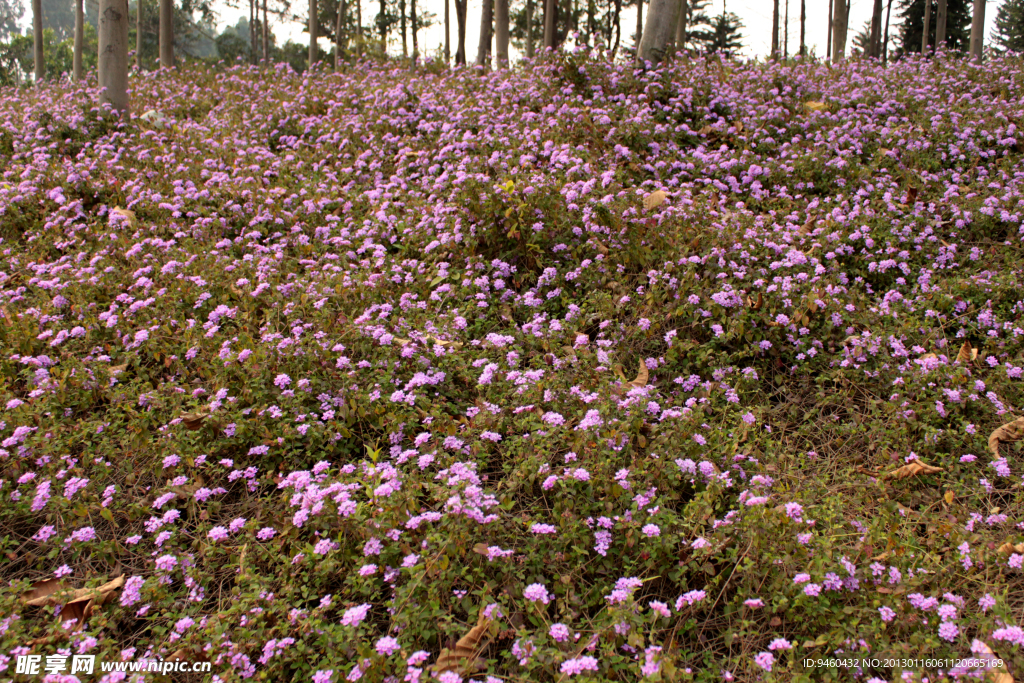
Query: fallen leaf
[(1010, 548), (193, 421), (813, 105), (463, 659), (967, 353), (118, 368), (948, 497), (654, 199), (641, 376), (124, 213), (600, 247), (77, 604), (1008, 433), (995, 669), (912, 469)]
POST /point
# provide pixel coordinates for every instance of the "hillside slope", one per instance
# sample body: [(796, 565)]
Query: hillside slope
[(572, 371)]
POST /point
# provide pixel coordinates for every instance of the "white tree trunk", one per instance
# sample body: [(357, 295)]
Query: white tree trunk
[(658, 30), (312, 33), (501, 32), (940, 24), (113, 55), (927, 26), (483, 54), (166, 34), (79, 39), (839, 27), (978, 29), (37, 39)]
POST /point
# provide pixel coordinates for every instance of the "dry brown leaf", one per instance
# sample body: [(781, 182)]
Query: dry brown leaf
[(641, 376), (967, 353), (654, 199), (926, 356), (600, 247), (995, 674), (1010, 548), (706, 130), (812, 105), (118, 368), (193, 421), (881, 558), (1008, 433), (124, 213), (481, 549), (912, 469), (463, 659), (41, 590), (808, 227), (77, 604)]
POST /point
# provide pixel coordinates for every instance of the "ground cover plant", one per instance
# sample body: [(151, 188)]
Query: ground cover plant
[(569, 372)]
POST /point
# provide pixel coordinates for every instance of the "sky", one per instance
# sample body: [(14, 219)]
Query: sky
[(756, 16)]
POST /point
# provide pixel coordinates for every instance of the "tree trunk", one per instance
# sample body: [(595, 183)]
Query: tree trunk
[(927, 26), (483, 54), (875, 40), (940, 24), (415, 37), (359, 27), (401, 12), (37, 39), (167, 34), (978, 29), (266, 37), (529, 29), (113, 55), (639, 23), (447, 35), (79, 39), (885, 40), (383, 27), (828, 41), (803, 27), (460, 17), (138, 35), (785, 33), (775, 28), (312, 33), (337, 36), (839, 31), (501, 32), (549, 23), (681, 16), (658, 30), (618, 28), (253, 16)]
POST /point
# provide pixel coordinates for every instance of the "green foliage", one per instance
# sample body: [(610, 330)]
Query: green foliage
[(17, 56), (1010, 26), (725, 34), (911, 23)]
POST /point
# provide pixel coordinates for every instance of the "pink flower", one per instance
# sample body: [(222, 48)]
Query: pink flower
[(536, 592)]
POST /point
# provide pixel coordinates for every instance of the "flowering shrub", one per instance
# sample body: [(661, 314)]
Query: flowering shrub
[(330, 366)]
